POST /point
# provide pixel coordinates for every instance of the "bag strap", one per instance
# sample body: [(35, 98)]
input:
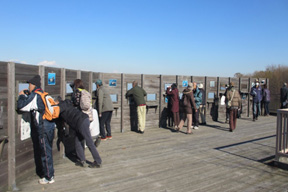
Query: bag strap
[(232, 95)]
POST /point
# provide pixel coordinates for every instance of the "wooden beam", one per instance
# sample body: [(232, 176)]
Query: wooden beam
[(11, 127)]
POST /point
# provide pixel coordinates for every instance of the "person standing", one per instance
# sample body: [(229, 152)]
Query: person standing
[(266, 100), (256, 93), (284, 96), (188, 103), (174, 98), (198, 100), (234, 98), (105, 110), (42, 130), (138, 95), (227, 108), (202, 108)]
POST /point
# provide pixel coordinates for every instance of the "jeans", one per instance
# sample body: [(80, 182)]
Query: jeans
[(84, 133), (105, 119), (46, 136), (256, 109)]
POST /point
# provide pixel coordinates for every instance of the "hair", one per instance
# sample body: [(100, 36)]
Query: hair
[(78, 83), (135, 83)]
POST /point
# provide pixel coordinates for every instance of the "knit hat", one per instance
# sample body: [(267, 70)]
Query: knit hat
[(36, 80), (99, 82)]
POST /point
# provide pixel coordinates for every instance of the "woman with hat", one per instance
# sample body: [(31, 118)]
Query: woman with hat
[(187, 102)]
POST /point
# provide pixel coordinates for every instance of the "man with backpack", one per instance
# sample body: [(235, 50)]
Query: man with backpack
[(42, 130)]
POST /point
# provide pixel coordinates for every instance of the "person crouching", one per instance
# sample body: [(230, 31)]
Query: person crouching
[(79, 121)]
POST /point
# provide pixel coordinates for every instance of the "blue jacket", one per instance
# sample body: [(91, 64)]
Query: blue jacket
[(197, 97), (33, 103), (256, 93)]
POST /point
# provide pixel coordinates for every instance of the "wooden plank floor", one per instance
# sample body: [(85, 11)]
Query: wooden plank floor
[(212, 159)]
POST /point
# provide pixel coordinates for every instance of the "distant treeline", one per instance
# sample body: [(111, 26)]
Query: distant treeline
[(277, 75)]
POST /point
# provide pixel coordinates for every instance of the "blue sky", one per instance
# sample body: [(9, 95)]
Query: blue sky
[(169, 37)]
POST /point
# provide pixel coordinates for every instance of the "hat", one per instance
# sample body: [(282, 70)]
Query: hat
[(231, 84), (99, 82), (36, 80), (190, 85), (200, 86)]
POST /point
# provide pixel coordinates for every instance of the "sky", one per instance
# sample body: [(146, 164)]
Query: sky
[(168, 37)]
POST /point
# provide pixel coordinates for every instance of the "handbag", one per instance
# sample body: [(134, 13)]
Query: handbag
[(230, 101)]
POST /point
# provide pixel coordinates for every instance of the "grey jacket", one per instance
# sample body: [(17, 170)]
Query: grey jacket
[(104, 100)]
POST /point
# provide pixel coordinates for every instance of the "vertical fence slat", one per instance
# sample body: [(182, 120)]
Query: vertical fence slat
[(11, 127)]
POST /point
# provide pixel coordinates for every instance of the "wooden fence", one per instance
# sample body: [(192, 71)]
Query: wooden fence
[(17, 157)]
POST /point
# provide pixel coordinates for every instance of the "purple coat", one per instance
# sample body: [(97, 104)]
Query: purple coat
[(174, 94)]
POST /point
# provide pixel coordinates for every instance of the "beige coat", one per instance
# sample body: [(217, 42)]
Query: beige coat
[(236, 101)]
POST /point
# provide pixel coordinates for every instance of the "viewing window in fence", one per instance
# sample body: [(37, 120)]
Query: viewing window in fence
[(151, 97), (68, 88), (22, 86), (114, 98), (212, 83), (211, 95), (129, 86)]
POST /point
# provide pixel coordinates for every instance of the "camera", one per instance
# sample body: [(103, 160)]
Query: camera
[(26, 92)]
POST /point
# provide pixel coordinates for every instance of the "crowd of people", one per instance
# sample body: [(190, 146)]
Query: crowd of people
[(77, 113)]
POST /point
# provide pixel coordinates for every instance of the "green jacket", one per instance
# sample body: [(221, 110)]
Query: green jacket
[(138, 95), (104, 100)]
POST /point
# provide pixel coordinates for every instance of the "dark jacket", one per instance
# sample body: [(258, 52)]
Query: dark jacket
[(72, 116), (266, 95), (188, 101), (256, 93), (33, 103), (283, 94), (203, 101), (174, 96), (138, 95)]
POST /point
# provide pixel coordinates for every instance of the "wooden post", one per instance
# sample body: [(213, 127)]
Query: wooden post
[(142, 81), (11, 127), (249, 84), (62, 94), (42, 76), (160, 98), (90, 82), (78, 74), (122, 103)]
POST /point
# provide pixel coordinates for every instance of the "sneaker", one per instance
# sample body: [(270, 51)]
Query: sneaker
[(103, 139), (97, 142), (44, 181), (109, 137), (80, 163), (95, 165), (196, 127)]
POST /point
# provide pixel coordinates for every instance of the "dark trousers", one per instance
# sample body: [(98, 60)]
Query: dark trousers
[(46, 136), (195, 116), (266, 106), (176, 118), (83, 133), (37, 151), (233, 118), (256, 109), (105, 119)]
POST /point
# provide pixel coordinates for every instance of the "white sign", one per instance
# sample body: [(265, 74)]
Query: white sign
[(25, 126)]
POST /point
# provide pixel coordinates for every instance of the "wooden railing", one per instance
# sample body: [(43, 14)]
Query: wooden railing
[(282, 134)]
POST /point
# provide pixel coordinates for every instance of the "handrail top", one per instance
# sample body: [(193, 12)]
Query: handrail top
[(282, 110)]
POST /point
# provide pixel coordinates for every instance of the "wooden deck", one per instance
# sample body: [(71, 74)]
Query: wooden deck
[(212, 159)]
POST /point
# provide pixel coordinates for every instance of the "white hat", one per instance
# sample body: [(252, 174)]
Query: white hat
[(200, 86)]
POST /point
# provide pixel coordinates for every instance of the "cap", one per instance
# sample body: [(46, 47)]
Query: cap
[(36, 80)]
